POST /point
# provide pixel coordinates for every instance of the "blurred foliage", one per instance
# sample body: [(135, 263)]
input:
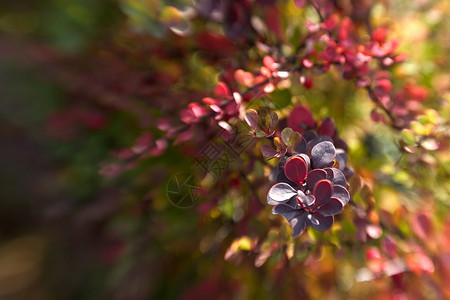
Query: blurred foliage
[(81, 81)]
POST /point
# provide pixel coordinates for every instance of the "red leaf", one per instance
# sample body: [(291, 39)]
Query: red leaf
[(222, 90), (327, 128), (323, 191), (296, 169), (243, 77), (300, 119)]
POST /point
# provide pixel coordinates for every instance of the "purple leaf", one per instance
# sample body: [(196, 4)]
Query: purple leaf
[(273, 120), (306, 200), (280, 192), (327, 128), (296, 169), (323, 191), (348, 172), (313, 220), (314, 140), (360, 233), (332, 207), (325, 223), (285, 210), (268, 151), (341, 193), (314, 176), (281, 153), (301, 147), (340, 144), (306, 158), (282, 178), (251, 117), (336, 176), (323, 154), (298, 225), (341, 155), (293, 203)]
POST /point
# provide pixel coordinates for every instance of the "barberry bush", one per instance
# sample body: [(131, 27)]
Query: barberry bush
[(234, 149)]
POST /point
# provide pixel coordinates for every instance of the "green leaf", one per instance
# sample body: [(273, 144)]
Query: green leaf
[(418, 128), (260, 134), (286, 134), (277, 143), (408, 137), (294, 141), (245, 243)]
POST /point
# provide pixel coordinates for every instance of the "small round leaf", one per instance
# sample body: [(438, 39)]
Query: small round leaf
[(296, 169)]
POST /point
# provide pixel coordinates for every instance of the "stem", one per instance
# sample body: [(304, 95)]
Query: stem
[(378, 103)]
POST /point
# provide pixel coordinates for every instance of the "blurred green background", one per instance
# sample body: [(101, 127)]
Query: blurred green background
[(72, 83)]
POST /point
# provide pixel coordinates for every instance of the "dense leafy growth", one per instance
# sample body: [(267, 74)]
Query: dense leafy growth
[(251, 149)]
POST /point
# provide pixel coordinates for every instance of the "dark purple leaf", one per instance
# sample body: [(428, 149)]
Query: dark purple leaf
[(327, 128), (296, 169), (301, 147), (341, 158), (336, 176), (314, 176), (210, 8), (251, 117), (325, 223), (236, 20), (293, 202), (306, 200), (282, 178), (274, 174), (306, 158), (315, 140), (282, 162), (280, 192), (341, 144), (285, 210), (360, 225), (309, 136), (273, 120), (341, 193), (281, 153), (331, 208), (323, 154), (313, 220), (268, 151), (298, 225), (348, 172), (323, 191)]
